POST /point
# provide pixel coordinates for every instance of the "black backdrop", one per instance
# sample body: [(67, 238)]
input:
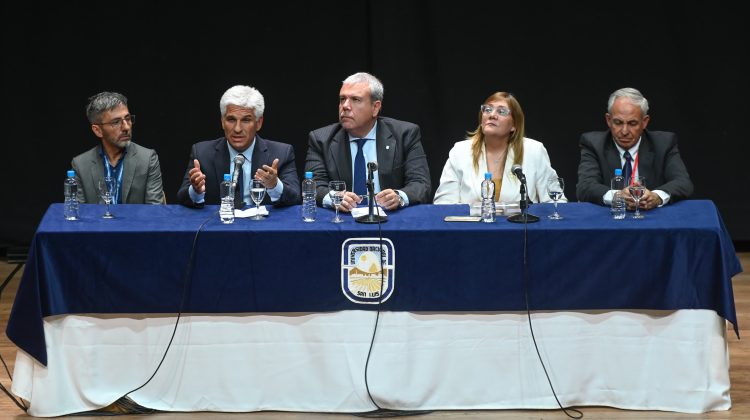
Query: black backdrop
[(437, 60)]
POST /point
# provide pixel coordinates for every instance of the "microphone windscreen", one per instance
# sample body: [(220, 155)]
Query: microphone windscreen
[(373, 166)]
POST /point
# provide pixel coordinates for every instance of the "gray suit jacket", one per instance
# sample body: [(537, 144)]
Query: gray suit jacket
[(141, 176), (402, 163), (659, 162)]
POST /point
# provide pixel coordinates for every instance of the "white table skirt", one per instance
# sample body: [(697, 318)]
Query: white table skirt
[(645, 360)]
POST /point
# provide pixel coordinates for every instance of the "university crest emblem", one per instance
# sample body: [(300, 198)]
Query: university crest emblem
[(367, 271)]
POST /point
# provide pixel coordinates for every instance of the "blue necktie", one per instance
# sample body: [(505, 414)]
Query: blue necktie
[(239, 191), (627, 168), (360, 173)]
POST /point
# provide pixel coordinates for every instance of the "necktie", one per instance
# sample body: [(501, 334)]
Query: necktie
[(239, 191), (627, 168), (360, 173)]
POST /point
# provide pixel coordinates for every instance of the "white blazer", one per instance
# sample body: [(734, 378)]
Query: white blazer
[(460, 183)]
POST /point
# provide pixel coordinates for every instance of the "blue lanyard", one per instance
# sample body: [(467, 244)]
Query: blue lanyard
[(115, 172)]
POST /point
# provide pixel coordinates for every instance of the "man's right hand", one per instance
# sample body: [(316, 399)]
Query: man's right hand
[(197, 178), (350, 201)]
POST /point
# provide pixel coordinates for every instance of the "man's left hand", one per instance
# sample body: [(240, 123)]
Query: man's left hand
[(268, 175), (650, 200), (388, 199)]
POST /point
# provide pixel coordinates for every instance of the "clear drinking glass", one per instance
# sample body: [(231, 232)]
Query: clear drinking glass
[(336, 190), (555, 188), (257, 192), (107, 187), (636, 188)]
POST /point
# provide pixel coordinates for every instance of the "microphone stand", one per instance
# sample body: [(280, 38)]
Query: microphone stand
[(524, 217), (371, 217)]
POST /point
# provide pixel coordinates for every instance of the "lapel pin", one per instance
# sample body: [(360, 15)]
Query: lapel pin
[(387, 147)]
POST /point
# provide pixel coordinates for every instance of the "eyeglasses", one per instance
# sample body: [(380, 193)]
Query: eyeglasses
[(117, 122), (501, 110)]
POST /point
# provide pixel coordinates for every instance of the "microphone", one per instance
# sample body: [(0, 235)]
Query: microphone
[(238, 161), (518, 172), (371, 217), (524, 216)]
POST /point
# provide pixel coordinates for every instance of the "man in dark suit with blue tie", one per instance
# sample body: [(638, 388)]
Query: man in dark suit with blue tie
[(628, 145), (339, 151), (269, 161)]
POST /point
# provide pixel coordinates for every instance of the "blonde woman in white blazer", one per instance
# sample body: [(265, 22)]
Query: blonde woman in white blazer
[(495, 146)]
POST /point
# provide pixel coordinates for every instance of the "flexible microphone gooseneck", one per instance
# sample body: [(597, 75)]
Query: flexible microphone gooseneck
[(239, 160), (524, 216), (370, 217)]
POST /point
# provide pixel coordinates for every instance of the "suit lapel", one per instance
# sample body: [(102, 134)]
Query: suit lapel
[(511, 185), (260, 155), (386, 153), (646, 159), (95, 172), (221, 160), (128, 171), (341, 156), (612, 155)]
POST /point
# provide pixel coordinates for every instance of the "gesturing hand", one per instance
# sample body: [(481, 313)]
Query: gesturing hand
[(197, 178), (268, 175)]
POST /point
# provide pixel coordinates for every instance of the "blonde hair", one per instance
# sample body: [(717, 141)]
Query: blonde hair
[(516, 136)]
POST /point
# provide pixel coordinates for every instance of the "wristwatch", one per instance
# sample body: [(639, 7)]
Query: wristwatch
[(401, 202)]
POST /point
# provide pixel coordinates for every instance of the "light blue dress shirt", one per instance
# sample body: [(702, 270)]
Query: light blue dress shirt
[(370, 152), (273, 193)]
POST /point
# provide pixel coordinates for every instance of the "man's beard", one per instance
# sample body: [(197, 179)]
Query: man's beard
[(121, 144)]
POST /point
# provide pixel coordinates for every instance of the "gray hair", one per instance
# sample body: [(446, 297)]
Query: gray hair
[(633, 94), (103, 102), (244, 96), (376, 88)]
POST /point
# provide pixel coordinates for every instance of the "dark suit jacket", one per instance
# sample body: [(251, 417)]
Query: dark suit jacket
[(659, 162), (213, 156), (402, 163), (141, 176)]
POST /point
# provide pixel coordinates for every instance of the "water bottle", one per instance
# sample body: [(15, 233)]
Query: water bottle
[(71, 196), (488, 199), (308, 198), (618, 201), (226, 210)]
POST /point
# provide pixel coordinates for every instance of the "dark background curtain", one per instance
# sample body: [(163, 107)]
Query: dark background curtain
[(438, 62)]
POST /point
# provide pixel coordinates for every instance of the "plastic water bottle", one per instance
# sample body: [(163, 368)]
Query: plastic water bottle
[(308, 198), (618, 201), (71, 196), (488, 199), (226, 210)]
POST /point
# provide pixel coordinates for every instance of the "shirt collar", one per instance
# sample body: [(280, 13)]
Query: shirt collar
[(248, 153), (369, 136), (105, 158), (633, 150)]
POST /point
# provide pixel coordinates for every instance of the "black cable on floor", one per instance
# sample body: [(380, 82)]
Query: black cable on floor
[(531, 328), (188, 273), (382, 412)]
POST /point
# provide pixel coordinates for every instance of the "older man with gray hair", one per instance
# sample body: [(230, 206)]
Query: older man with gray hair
[(268, 161), (639, 152)]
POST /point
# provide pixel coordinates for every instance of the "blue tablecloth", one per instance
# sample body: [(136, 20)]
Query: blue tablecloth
[(678, 257)]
